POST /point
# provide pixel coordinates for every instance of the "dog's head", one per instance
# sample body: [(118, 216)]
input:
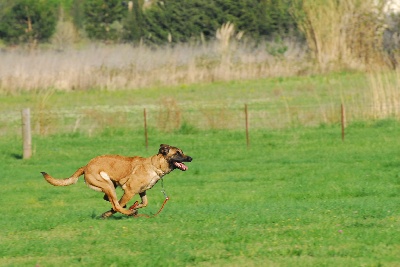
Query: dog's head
[(174, 156)]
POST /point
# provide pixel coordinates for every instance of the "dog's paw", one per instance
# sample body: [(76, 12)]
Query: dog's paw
[(134, 205), (134, 213), (106, 214)]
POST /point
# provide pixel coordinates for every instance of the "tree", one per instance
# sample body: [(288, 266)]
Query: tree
[(182, 19), (77, 13), (5, 7), (278, 19), (134, 21), (246, 15), (103, 19), (187, 19), (28, 21)]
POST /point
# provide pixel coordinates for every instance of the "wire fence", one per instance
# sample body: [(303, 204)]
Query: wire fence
[(168, 118)]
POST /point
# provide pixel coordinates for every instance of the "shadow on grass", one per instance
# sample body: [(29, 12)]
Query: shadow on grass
[(115, 217), (16, 156)]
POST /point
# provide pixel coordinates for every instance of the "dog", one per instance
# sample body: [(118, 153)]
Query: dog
[(134, 175)]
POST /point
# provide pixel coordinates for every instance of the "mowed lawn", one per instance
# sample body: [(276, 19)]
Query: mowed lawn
[(295, 197)]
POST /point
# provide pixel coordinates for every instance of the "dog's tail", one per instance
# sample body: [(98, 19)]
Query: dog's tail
[(64, 182)]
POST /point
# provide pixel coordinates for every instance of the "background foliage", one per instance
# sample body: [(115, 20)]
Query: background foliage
[(111, 21), (27, 21), (102, 19), (258, 19), (350, 34)]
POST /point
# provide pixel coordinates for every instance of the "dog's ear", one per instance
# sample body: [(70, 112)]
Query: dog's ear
[(164, 149)]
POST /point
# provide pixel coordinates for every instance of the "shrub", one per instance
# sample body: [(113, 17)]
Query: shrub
[(77, 13), (134, 22), (103, 19), (28, 21), (188, 19)]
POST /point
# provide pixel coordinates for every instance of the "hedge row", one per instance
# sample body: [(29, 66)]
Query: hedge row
[(24, 21)]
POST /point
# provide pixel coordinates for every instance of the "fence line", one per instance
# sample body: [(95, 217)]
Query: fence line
[(172, 118), (175, 118)]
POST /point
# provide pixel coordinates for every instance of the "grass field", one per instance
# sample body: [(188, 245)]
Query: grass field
[(298, 196), (272, 103)]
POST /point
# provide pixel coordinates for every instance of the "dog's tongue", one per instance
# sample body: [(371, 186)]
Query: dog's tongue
[(181, 166)]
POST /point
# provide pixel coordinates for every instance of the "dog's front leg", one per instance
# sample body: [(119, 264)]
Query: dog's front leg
[(144, 202)]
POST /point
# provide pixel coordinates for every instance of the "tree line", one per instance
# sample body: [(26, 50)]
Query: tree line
[(335, 32), (162, 21)]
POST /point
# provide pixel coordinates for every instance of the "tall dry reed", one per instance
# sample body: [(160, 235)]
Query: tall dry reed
[(124, 66), (384, 94), (343, 33)]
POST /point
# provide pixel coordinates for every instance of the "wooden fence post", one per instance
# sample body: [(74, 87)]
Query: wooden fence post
[(247, 125), (26, 134)]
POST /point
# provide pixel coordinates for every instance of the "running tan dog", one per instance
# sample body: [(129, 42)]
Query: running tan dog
[(135, 175)]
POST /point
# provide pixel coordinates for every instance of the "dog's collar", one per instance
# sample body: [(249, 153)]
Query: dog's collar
[(159, 172), (157, 167)]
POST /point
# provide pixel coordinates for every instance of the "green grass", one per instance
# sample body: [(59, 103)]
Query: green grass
[(272, 103), (307, 90), (296, 197)]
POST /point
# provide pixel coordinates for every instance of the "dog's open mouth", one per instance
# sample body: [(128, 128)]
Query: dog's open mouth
[(180, 166)]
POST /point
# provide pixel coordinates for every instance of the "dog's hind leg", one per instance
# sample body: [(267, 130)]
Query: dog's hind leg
[(115, 186), (112, 196), (125, 198), (123, 201), (97, 181), (108, 213)]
